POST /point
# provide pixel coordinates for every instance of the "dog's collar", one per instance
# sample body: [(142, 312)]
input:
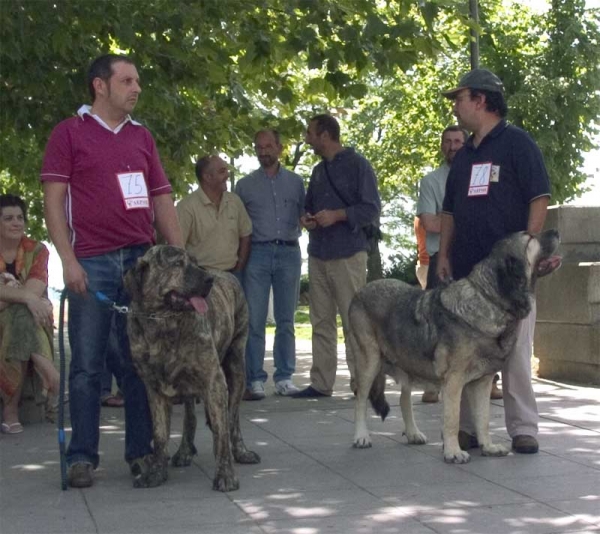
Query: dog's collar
[(157, 316)]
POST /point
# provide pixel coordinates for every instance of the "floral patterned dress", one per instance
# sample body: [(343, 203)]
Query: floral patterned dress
[(20, 336)]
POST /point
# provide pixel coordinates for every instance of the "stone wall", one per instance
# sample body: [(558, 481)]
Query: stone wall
[(567, 334)]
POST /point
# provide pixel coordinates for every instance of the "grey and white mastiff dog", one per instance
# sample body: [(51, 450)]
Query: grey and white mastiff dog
[(453, 337), (188, 328)]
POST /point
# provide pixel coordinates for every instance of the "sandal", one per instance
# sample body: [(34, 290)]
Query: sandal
[(113, 401), (13, 428)]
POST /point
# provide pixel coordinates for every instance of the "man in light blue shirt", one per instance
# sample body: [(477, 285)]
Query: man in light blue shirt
[(429, 207), (431, 195), (274, 200)]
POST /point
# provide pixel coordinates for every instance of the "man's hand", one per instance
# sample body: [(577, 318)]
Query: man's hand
[(327, 218), (308, 221), (443, 269), (75, 277)]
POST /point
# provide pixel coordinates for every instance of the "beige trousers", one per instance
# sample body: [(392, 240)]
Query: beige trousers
[(421, 271), (332, 284)]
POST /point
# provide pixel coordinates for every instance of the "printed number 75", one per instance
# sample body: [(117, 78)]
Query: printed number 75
[(134, 187)]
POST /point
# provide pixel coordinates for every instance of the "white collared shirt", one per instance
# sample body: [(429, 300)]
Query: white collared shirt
[(87, 110)]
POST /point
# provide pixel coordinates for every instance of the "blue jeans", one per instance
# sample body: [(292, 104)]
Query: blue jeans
[(277, 266), (89, 330)]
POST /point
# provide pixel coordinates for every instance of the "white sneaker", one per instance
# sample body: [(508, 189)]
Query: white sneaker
[(256, 391), (285, 388)]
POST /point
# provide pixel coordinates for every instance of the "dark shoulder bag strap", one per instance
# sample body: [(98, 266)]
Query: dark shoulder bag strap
[(371, 230), (335, 189)]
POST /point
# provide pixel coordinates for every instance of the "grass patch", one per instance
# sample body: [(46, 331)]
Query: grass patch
[(303, 328), (302, 315)]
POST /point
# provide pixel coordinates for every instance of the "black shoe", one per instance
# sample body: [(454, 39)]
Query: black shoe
[(524, 444), (252, 396), (467, 441), (308, 393)]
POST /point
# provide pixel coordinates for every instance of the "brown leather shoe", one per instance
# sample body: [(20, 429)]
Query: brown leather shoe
[(430, 396), (524, 444), (467, 441), (113, 401), (250, 396), (308, 393), (80, 475), (496, 393)]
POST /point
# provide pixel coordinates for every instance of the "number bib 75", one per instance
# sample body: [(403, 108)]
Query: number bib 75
[(134, 190)]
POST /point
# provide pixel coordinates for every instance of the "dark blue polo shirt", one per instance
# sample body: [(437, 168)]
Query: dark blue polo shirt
[(354, 178), (518, 177)]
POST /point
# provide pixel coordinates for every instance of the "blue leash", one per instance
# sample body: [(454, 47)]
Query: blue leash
[(61, 395), (101, 297)]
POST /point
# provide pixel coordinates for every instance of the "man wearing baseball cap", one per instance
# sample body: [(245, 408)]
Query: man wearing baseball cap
[(498, 184)]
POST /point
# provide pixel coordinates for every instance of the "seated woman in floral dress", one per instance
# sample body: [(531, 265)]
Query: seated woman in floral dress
[(25, 311)]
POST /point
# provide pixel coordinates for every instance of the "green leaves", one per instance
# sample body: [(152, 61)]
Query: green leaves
[(214, 71)]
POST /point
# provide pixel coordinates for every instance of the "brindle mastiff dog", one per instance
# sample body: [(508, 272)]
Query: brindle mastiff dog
[(188, 328), (451, 337)]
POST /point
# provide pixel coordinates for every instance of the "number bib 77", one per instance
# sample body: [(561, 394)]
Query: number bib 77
[(134, 190)]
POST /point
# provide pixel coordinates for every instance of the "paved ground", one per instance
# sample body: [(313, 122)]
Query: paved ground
[(311, 481)]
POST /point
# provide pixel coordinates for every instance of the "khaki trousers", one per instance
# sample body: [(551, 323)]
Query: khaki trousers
[(332, 284), (421, 271)]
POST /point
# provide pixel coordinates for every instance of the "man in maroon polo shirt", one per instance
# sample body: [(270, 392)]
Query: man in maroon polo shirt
[(104, 189)]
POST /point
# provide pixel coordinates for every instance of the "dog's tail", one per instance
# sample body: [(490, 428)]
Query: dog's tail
[(377, 396)]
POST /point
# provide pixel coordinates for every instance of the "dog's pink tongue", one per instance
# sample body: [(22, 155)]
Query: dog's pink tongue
[(549, 265), (199, 304)]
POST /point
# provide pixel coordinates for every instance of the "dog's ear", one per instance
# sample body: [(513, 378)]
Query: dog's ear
[(134, 279), (513, 285)]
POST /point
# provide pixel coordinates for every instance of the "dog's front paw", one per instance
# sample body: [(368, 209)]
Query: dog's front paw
[(148, 472), (225, 480), (416, 438), (362, 441), (183, 457), (246, 457), (494, 449), (456, 456)]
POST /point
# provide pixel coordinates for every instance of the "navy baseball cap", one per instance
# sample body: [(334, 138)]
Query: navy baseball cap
[(482, 79)]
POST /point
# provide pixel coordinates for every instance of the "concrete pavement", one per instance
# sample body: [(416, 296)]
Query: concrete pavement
[(311, 481)]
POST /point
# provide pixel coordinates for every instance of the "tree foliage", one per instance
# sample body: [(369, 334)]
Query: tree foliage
[(214, 71), (550, 65)]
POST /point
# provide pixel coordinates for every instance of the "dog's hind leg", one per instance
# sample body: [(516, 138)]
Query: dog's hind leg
[(413, 434), (478, 395), (187, 450), (368, 367)]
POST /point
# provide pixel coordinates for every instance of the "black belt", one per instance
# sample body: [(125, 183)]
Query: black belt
[(292, 243)]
